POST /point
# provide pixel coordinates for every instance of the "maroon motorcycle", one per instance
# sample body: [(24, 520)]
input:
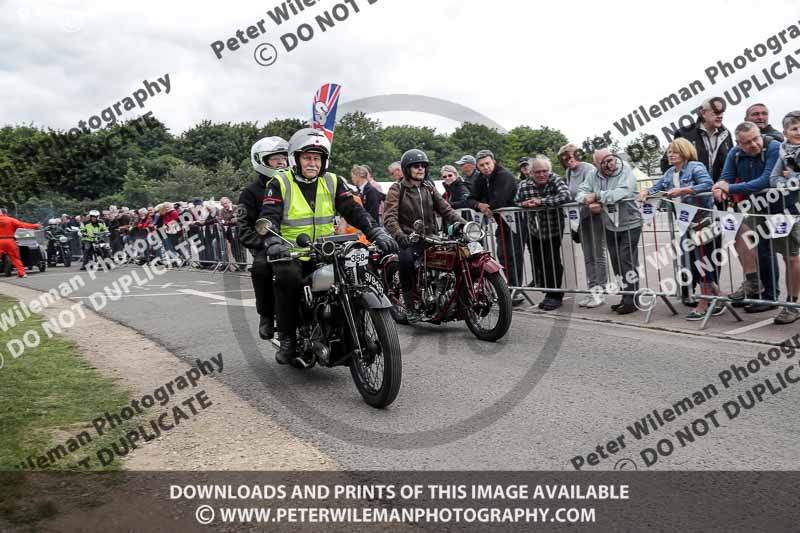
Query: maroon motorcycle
[(455, 279)]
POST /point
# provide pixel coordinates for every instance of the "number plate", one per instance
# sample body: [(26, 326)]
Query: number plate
[(475, 247), (373, 281)]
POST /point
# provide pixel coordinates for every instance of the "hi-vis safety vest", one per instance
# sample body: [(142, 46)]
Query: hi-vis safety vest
[(298, 217)]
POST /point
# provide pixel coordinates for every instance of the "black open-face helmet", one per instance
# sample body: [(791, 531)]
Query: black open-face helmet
[(413, 156)]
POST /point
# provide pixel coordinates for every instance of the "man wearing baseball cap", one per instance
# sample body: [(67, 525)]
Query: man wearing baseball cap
[(469, 173), (496, 188), (523, 166)]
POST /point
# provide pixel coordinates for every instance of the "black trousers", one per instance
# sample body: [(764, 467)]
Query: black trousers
[(406, 258), (509, 253), (88, 253), (288, 284), (261, 274), (548, 270)]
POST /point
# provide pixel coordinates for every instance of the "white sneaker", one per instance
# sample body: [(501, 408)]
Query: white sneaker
[(583, 302), (596, 301)]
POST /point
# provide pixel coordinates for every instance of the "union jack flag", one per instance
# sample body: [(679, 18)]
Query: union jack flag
[(323, 110)]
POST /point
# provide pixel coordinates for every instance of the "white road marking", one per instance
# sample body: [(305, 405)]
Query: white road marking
[(223, 299), (751, 327), (162, 294), (201, 282), (250, 302)]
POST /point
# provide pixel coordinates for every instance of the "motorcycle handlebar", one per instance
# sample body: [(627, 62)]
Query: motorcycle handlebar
[(416, 237)]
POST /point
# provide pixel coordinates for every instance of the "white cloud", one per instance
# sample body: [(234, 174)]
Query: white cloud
[(576, 66)]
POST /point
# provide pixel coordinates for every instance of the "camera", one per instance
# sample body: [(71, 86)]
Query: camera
[(791, 163)]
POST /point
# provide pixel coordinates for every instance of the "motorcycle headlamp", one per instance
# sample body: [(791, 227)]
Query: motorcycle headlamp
[(472, 232)]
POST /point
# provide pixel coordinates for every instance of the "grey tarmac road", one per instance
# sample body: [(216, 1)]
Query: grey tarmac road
[(551, 390)]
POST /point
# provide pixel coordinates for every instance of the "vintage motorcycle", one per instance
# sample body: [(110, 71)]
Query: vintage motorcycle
[(101, 244), (455, 279), (344, 317), (58, 245)]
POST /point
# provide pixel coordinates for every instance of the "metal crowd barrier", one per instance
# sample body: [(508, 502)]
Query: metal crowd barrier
[(539, 252)]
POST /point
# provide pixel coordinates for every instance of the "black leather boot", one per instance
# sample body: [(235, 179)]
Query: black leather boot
[(288, 349), (266, 329)]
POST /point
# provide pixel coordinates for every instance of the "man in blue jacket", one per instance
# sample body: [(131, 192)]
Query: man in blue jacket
[(745, 176)]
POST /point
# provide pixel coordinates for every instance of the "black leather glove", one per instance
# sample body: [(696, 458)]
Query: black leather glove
[(379, 236), (276, 248), (402, 240)]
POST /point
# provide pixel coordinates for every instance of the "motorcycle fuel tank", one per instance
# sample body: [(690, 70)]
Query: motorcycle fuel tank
[(322, 279)]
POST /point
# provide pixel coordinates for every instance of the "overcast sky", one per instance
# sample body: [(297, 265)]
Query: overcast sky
[(577, 66)]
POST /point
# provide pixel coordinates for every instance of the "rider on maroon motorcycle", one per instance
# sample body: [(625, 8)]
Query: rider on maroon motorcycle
[(415, 198)]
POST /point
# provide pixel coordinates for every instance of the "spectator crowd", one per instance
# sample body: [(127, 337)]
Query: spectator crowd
[(706, 166)]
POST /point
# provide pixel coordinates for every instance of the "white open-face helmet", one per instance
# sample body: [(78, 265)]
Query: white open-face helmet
[(54, 221), (94, 213), (308, 140), (263, 149)]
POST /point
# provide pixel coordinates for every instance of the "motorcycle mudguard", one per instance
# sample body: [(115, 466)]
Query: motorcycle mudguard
[(374, 300), (487, 264)]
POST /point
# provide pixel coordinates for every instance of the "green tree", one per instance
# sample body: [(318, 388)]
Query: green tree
[(357, 140), (469, 138), (645, 152), (207, 144)]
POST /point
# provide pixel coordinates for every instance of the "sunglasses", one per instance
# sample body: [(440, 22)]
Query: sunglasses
[(419, 165), (448, 175)]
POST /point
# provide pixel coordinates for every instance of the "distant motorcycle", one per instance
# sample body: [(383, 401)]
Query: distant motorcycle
[(58, 244), (101, 245), (455, 279), (344, 317)]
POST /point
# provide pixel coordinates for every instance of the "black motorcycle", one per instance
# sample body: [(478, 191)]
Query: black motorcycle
[(344, 314), (58, 249), (101, 245)]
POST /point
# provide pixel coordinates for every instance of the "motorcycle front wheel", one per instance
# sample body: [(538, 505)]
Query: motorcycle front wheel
[(377, 370), (67, 259), (489, 317)]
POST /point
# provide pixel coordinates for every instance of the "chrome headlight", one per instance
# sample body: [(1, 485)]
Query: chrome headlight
[(61, 238), (472, 232)]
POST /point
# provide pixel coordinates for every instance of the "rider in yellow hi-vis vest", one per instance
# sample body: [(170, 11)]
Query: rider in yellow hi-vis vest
[(305, 199)]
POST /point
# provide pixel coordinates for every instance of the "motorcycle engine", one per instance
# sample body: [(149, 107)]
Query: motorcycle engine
[(445, 284)]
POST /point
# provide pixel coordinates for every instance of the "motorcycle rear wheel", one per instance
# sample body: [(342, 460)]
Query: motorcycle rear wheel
[(377, 372), (495, 290)]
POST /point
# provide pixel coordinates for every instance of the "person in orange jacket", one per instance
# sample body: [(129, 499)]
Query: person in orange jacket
[(8, 227)]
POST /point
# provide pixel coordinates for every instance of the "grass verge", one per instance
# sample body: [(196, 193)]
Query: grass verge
[(48, 396)]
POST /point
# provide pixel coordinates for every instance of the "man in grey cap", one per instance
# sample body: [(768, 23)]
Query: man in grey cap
[(496, 188), (469, 173), (523, 166)]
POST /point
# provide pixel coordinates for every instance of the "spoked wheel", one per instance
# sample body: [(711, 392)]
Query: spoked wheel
[(489, 316), (377, 371), (394, 292)]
